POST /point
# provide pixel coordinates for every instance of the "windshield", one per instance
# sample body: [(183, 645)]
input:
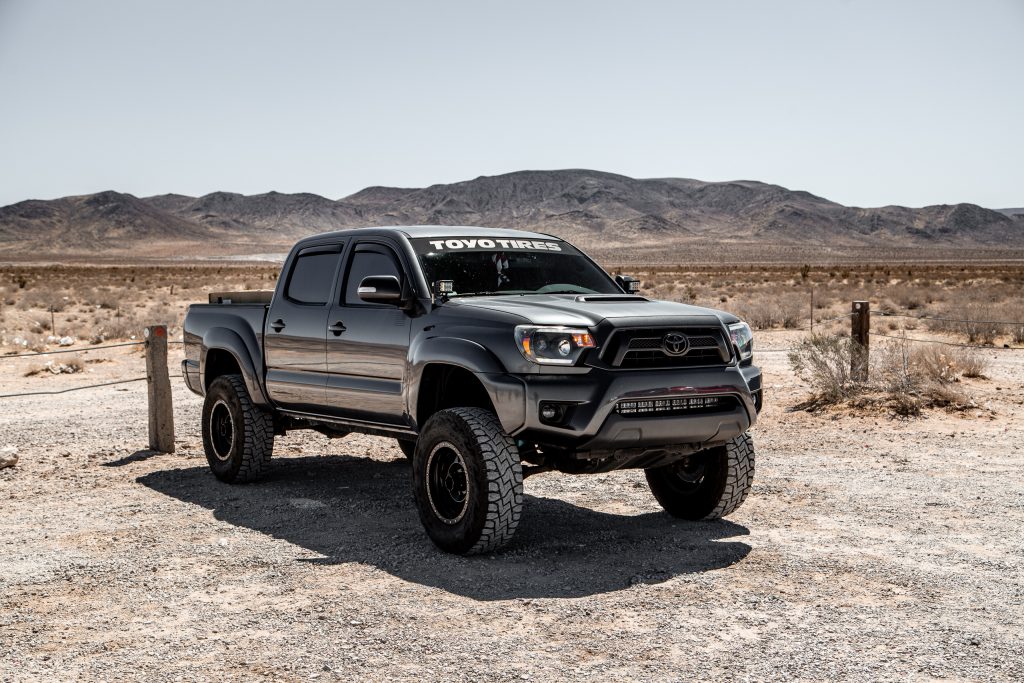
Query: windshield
[(507, 266)]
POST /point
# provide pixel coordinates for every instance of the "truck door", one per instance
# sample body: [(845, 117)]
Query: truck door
[(294, 340), (367, 344)]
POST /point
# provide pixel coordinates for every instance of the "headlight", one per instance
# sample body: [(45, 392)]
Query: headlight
[(553, 345), (742, 339)]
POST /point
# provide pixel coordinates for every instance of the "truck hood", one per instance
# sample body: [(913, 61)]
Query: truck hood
[(571, 309)]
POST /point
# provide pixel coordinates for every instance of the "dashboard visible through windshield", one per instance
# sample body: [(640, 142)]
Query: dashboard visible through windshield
[(489, 266)]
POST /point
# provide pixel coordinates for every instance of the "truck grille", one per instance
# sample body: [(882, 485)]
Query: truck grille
[(666, 347), (668, 407)]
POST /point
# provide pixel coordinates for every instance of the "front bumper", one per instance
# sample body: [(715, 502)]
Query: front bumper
[(592, 428)]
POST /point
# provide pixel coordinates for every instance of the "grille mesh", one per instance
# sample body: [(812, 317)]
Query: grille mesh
[(642, 348)]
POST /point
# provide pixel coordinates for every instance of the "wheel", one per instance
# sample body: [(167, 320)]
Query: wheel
[(407, 447), (707, 485), (238, 437), (467, 481)]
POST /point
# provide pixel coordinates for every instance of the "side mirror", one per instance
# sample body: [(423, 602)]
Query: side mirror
[(630, 285), (381, 289)]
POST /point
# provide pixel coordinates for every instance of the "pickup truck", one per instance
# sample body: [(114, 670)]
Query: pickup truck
[(489, 355)]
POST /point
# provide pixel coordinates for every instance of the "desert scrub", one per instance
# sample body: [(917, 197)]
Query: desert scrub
[(902, 377), (979, 324), (788, 311), (823, 361)]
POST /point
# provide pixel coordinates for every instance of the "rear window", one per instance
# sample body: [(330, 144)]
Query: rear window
[(312, 277)]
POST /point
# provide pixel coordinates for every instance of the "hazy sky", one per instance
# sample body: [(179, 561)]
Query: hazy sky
[(866, 103)]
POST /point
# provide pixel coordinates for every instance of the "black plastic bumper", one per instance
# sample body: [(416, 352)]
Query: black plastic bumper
[(592, 428)]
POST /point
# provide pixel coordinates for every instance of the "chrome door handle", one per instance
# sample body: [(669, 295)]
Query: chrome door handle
[(277, 325), (337, 328)]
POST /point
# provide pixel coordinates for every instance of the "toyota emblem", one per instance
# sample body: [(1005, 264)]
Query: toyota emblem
[(675, 344)]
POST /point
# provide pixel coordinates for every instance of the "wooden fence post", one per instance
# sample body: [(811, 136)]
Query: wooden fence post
[(161, 410), (860, 333)]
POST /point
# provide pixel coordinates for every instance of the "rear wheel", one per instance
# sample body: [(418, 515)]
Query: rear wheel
[(707, 485), (468, 481), (238, 437)]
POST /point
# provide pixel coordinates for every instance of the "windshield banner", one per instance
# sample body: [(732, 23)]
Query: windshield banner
[(424, 245)]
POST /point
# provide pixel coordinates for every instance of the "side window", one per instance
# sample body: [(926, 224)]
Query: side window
[(312, 276), (368, 259)]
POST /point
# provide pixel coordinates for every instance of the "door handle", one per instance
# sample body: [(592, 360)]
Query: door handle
[(277, 325), (337, 328)]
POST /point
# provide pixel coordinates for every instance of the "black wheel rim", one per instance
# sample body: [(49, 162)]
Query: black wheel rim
[(690, 473), (447, 483), (222, 431)]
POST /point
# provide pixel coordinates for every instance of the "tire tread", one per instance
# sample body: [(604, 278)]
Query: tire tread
[(258, 434), (739, 476)]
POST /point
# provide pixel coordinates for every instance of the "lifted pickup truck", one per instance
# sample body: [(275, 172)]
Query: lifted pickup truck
[(489, 355)]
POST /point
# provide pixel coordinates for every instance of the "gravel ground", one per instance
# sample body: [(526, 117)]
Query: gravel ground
[(869, 549)]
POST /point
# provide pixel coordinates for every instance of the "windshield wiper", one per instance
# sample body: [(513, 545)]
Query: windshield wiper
[(452, 296)]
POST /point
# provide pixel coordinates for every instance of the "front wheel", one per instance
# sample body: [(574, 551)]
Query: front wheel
[(468, 481), (707, 485), (238, 437)]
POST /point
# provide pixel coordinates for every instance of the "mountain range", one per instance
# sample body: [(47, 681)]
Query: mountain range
[(596, 210)]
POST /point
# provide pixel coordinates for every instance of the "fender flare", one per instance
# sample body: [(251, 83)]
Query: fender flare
[(246, 352), (508, 395)]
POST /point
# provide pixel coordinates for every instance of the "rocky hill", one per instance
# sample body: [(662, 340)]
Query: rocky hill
[(597, 210)]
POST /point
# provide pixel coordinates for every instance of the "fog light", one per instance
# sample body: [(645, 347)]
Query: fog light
[(555, 413)]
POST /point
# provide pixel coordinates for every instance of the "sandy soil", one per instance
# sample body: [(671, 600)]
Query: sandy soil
[(870, 549)]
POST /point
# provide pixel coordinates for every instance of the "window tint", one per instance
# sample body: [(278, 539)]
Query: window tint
[(312, 278), (365, 262)]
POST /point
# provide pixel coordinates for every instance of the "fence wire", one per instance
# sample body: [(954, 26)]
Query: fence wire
[(809, 327), (944, 343), (947, 320), (84, 350), (88, 386)]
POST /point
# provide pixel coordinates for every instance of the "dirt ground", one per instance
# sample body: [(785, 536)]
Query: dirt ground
[(871, 548)]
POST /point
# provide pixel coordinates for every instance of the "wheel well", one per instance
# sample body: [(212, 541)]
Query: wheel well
[(449, 386), (220, 362)]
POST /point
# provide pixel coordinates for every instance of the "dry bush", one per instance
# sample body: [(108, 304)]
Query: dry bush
[(979, 324), (1015, 314), (119, 327), (903, 377), (972, 363), (823, 361), (787, 311), (935, 363)]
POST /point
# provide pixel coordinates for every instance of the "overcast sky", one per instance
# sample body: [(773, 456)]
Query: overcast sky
[(866, 103)]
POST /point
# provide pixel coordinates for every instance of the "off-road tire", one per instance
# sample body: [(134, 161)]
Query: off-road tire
[(727, 475), (407, 446), (474, 441), (241, 457)]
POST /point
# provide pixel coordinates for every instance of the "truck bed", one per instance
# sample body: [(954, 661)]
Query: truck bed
[(262, 296), (245, 320)]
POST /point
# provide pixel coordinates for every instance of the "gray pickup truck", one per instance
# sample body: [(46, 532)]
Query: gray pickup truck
[(490, 355)]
